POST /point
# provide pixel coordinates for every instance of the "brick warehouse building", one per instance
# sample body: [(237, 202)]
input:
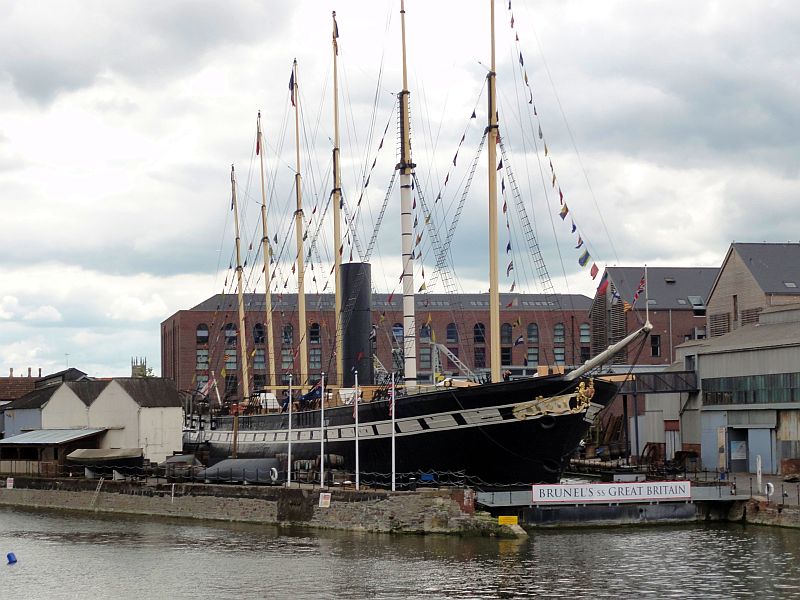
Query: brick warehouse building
[(535, 330)]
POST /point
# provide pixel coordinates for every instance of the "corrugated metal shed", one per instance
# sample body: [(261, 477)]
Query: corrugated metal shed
[(750, 337), (51, 437)]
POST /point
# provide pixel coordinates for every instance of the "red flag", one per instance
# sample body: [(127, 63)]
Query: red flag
[(594, 270), (601, 289)]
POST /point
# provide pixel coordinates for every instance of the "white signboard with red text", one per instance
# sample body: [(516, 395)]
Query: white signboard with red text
[(583, 493)]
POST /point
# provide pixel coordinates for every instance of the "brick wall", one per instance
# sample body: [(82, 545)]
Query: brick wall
[(427, 511)]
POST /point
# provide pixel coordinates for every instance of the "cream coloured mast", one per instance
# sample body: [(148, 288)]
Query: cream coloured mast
[(241, 335), (270, 345), (337, 200), (494, 290), (298, 220), (406, 167)]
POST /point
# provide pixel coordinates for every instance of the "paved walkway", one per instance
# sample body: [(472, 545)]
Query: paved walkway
[(746, 484)]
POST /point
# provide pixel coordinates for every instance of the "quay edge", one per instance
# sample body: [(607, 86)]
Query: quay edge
[(448, 511)]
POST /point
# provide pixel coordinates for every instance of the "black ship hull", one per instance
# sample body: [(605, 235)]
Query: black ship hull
[(504, 434)]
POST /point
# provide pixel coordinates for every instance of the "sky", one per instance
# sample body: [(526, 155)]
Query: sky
[(671, 127)]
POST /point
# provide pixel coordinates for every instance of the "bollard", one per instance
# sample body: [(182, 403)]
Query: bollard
[(12, 558)]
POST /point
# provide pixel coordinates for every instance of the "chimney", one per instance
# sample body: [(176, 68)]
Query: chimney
[(40, 372), (29, 371), (11, 372)]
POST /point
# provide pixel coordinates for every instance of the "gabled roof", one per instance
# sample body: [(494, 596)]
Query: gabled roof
[(87, 391), (670, 287), (772, 265), (35, 399), (150, 392), (51, 437), (71, 374)]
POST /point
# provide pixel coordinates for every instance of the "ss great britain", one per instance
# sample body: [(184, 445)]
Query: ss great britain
[(493, 434)]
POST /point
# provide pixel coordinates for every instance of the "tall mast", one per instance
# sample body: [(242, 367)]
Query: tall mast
[(298, 221), (494, 290), (337, 200), (242, 331), (406, 166), (270, 341)]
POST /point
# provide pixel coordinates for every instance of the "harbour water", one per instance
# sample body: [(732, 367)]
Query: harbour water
[(85, 556)]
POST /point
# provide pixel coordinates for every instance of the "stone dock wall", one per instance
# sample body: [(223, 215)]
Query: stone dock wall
[(440, 511)]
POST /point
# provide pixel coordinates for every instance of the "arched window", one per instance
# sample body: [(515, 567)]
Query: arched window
[(452, 333), (258, 333), (230, 335), (533, 333), (425, 332), (288, 335), (314, 333), (397, 333), (559, 336), (202, 334), (506, 333), (479, 333)]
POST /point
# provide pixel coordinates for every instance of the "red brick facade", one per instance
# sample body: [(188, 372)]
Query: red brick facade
[(561, 336)]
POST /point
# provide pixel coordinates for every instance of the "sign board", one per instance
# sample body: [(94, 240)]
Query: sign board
[(738, 449), (10, 483), (507, 520), (325, 500), (583, 493)]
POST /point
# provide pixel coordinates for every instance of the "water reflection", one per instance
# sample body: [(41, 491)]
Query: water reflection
[(68, 556)]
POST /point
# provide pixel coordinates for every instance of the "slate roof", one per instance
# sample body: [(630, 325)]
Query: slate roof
[(151, 392), (35, 399), (772, 265), (668, 286), (52, 436), (148, 392), (448, 302)]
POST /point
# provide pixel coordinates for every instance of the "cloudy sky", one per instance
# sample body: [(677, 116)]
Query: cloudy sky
[(672, 128)]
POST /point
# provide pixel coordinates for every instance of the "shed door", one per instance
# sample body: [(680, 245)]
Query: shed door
[(761, 442)]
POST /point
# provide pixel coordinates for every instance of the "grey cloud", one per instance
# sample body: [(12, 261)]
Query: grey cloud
[(45, 54)]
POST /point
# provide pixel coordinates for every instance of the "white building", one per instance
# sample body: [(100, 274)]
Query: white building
[(136, 412)]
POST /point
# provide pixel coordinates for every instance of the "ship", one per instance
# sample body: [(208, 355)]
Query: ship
[(493, 434)]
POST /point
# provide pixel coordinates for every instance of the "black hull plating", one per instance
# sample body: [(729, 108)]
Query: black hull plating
[(470, 430)]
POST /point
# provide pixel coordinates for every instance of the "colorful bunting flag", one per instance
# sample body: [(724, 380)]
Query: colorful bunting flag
[(601, 289)]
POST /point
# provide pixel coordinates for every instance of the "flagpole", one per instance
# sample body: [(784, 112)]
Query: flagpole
[(646, 300), (355, 413), (289, 458), (322, 432), (391, 409)]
